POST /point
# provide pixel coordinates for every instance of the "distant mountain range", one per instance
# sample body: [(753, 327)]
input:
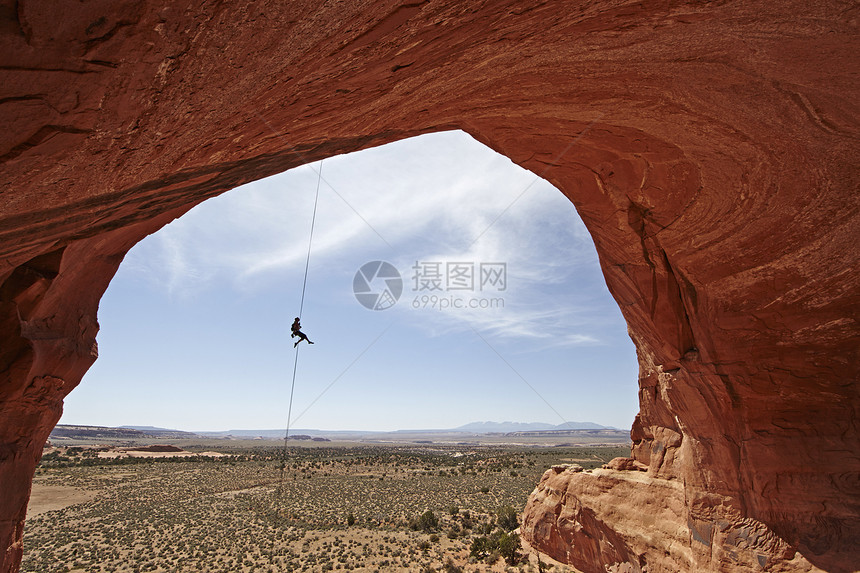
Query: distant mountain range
[(123, 432), (506, 427), (130, 432), (471, 428)]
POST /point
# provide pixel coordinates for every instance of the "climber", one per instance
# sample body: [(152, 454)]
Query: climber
[(296, 328)]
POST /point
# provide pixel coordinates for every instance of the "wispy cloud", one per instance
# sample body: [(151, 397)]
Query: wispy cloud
[(442, 197)]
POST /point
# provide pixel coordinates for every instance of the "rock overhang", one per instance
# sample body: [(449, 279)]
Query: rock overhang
[(710, 150)]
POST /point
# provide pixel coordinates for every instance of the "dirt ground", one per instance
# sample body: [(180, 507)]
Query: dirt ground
[(123, 453), (44, 498)]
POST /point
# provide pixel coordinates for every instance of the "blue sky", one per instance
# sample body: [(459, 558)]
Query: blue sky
[(195, 326)]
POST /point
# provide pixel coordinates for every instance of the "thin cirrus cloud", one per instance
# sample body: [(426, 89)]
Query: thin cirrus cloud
[(436, 197)]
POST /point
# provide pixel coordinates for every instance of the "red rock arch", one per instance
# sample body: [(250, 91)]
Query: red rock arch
[(710, 149)]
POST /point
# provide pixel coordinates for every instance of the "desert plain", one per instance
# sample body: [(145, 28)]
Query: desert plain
[(254, 505)]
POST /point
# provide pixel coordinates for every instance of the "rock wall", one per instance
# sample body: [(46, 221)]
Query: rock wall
[(710, 148)]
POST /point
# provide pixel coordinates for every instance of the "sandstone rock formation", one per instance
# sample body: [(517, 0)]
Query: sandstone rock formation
[(629, 522), (710, 148)]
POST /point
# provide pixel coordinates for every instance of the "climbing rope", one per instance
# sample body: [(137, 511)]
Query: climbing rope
[(301, 308), (310, 241)]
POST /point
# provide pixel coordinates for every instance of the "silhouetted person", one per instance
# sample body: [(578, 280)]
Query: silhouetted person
[(296, 328)]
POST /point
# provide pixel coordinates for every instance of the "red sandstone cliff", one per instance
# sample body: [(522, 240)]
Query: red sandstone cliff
[(710, 148)]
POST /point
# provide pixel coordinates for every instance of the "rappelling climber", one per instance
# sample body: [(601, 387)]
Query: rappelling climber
[(296, 328)]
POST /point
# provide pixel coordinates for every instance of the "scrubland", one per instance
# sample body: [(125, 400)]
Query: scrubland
[(362, 508)]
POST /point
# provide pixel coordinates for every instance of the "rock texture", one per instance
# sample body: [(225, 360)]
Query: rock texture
[(710, 147), (629, 522)]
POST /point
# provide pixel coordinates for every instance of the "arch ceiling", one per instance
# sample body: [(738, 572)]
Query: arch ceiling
[(711, 150)]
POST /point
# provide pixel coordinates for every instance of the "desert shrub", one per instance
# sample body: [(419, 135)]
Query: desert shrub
[(426, 522), (480, 547), (500, 544), (506, 518), (509, 547)]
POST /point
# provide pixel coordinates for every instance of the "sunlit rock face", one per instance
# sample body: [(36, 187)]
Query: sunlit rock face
[(710, 148)]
